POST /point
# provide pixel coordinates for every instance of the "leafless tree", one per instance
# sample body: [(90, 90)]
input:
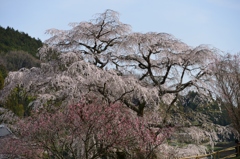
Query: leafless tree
[(227, 73)]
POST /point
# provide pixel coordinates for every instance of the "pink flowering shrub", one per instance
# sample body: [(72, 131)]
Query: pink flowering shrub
[(87, 131)]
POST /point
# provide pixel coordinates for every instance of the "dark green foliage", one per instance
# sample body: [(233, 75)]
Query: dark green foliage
[(216, 113), (193, 102), (18, 102), (3, 70), (12, 40), (3, 75), (1, 81), (17, 50)]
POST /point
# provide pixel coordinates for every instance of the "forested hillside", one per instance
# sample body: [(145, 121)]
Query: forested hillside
[(17, 50), (13, 40)]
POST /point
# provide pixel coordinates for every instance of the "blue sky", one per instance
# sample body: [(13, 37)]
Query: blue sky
[(195, 22)]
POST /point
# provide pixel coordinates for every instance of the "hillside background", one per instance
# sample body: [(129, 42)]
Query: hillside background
[(17, 50)]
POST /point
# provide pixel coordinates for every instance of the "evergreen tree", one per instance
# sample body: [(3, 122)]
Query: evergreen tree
[(193, 102), (12, 40)]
